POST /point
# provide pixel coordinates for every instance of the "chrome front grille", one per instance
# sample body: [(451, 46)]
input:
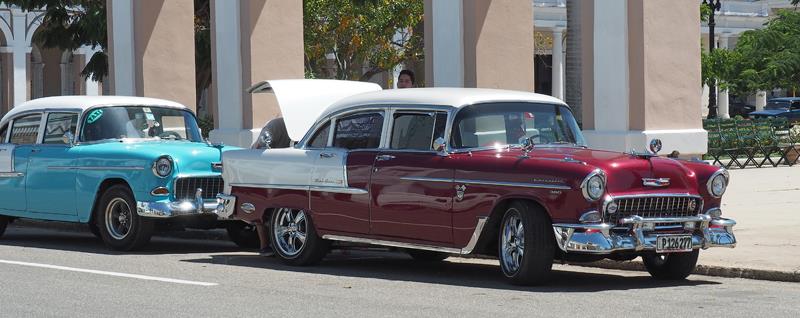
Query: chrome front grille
[(185, 188), (655, 207)]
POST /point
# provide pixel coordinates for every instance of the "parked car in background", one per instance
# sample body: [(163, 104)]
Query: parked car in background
[(788, 107), (740, 109), (441, 171), (123, 165)]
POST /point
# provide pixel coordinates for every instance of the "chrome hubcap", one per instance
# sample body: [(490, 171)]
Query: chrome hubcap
[(513, 244), (290, 231), (118, 218)]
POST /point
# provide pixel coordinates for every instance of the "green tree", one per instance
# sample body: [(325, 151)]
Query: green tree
[(362, 37), (767, 58)]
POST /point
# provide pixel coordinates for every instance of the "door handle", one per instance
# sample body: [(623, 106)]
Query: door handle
[(385, 157), (327, 155), (35, 150)]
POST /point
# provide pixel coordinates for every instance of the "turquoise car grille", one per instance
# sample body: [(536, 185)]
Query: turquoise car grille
[(185, 188)]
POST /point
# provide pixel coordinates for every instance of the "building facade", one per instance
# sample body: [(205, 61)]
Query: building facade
[(484, 43)]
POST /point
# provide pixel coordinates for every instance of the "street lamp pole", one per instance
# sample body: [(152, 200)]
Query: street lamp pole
[(715, 6)]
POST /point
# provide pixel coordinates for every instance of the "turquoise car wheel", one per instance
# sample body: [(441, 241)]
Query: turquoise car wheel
[(121, 228)]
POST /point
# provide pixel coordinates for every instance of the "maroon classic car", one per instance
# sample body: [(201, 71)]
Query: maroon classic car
[(473, 171)]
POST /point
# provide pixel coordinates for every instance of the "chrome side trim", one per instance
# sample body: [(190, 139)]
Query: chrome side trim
[(514, 184), (346, 190), (462, 251), (426, 179), (126, 168), (11, 174)]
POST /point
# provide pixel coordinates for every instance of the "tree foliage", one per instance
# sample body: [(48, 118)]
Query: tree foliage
[(360, 38), (763, 59)]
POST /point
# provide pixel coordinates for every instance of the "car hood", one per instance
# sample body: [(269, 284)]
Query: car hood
[(189, 157), (768, 112), (624, 172), (303, 100)]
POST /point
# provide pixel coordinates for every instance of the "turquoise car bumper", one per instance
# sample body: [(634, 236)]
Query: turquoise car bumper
[(168, 209)]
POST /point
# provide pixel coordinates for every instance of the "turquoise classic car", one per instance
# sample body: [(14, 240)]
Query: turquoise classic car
[(126, 166)]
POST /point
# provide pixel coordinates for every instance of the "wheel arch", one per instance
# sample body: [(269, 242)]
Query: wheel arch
[(487, 244), (105, 185)]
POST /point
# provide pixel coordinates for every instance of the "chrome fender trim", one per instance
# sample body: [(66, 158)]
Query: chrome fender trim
[(450, 250)]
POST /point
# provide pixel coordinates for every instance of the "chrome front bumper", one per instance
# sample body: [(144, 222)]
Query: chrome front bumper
[(600, 239), (225, 206), (167, 209)]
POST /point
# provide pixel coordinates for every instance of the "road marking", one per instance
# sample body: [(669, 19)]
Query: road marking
[(92, 271)]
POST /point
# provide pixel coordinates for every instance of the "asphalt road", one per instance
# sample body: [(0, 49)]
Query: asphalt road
[(46, 273)]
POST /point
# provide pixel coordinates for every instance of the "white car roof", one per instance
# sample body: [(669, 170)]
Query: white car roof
[(445, 96), (85, 102)]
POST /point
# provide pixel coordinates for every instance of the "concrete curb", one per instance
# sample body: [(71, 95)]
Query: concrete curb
[(706, 270), (221, 235)]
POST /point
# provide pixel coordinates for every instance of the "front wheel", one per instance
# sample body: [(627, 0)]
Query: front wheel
[(121, 228), (4, 220), (673, 266), (526, 244), (295, 239)]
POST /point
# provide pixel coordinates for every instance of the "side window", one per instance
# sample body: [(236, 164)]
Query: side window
[(57, 125), (417, 131), (320, 139), (25, 130), (361, 131), (3, 132)]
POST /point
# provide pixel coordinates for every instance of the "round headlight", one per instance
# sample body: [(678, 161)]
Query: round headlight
[(594, 186), (718, 183), (163, 167)]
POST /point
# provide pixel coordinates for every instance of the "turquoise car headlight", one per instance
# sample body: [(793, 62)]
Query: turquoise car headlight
[(162, 167)]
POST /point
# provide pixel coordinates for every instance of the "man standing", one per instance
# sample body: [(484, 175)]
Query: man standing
[(405, 79)]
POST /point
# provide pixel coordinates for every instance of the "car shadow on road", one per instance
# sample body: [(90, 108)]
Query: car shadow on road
[(85, 242), (454, 271)]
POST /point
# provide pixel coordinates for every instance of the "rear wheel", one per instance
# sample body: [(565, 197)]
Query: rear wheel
[(4, 220), (295, 239), (427, 256), (526, 244), (242, 234), (672, 266), (121, 228)]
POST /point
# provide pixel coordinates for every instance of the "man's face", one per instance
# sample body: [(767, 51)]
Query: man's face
[(404, 81)]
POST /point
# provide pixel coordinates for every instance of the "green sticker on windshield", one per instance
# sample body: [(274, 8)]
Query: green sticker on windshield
[(94, 116)]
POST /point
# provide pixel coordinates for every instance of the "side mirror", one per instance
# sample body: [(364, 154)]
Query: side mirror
[(264, 140), (440, 146), (68, 138)]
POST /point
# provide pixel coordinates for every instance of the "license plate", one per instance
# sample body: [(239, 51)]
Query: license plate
[(673, 243)]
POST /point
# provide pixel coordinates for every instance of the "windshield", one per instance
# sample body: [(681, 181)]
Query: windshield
[(497, 124), (138, 122)]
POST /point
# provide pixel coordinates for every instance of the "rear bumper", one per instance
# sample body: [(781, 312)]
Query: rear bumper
[(600, 239)]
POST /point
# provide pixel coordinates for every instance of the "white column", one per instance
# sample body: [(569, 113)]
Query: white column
[(723, 111), (761, 100), (611, 66), (122, 46), (448, 43), (558, 64), (20, 51), (228, 65), (92, 87)]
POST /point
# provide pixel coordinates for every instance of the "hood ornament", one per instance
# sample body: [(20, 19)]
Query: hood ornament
[(655, 145)]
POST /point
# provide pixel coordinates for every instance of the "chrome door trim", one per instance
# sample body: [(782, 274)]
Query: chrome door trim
[(11, 174), (427, 179), (345, 190), (514, 184), (462, 251)]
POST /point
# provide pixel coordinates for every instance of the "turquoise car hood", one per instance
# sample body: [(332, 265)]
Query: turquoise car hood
[(189, 157)]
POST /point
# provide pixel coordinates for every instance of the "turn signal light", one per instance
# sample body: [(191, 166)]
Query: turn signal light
[(160, 191)]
